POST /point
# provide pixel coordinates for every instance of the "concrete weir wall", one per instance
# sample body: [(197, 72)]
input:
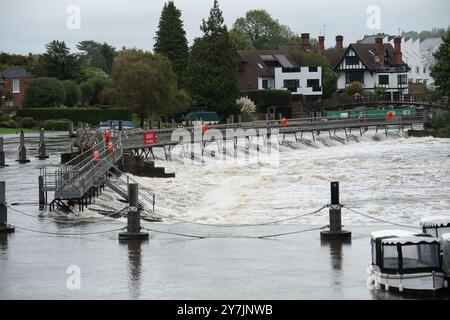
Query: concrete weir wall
[(140, 167)]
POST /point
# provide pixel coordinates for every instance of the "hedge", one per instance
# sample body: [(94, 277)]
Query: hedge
[(88, 115), (268, 98)]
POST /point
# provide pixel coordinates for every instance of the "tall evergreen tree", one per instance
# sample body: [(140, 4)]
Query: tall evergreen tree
[(211, 72), (440, 71), (171, 39)]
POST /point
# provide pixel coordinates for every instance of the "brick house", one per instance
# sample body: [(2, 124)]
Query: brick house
[(15, 81)]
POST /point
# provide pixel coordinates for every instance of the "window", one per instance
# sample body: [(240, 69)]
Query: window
[(265, 84), (260, 66), (292, 85), (424, 69), (420, 256), (351, 61), (383, 79), (374, 252), (402, 79), (417, 70), (354, 76), (16, 86), (313, 69), (312, 83), (390, 257)]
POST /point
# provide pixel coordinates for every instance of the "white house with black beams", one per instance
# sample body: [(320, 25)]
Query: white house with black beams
[(373, 64)]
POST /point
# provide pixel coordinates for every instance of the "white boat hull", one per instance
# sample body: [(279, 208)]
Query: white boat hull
[(427, 281)]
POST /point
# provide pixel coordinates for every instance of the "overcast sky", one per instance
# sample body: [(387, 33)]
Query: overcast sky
[(26, 25)]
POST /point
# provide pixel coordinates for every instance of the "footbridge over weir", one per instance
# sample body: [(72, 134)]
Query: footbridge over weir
[(84, 177)]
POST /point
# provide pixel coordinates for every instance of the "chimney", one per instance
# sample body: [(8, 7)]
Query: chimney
[(379, 54), (30, 58), (321, 43), (339, 43), (305, 39), (398, 51)]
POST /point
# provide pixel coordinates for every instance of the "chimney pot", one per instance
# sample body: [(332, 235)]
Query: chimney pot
[(321, 43), (379, 54), (398, 51), (339, 43), (305, 39)]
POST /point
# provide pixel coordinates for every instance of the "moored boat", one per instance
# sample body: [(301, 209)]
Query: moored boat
[(406, 261)]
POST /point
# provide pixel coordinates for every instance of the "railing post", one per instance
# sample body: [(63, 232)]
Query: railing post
[(2, 154), (134, 217), (41, 193), (4, 226), (335, 232)]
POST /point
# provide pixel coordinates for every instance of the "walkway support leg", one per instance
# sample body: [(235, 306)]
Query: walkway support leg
[(2, 155), (41, 193), (134, 217), (4, 226), (335, 232), (22, 150)]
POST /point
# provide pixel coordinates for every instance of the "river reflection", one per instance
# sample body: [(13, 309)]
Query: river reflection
[(134, 266), (336, 254)]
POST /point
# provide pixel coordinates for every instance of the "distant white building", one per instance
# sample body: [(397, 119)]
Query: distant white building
[(374, 65), (418, 55)]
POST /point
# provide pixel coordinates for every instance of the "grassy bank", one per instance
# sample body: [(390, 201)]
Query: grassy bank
[(16, 131)]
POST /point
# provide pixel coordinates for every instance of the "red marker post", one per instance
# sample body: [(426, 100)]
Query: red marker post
[(390, 115), (284, 122)]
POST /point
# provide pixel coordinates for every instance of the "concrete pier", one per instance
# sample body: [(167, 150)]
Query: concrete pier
[(42, 148)]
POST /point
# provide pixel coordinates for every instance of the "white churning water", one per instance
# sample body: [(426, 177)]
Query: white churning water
[(399, 179)]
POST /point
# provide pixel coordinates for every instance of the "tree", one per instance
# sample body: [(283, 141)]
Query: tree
[(73, 93), (171, 39), (240, 40), (90, 89), (263, 31), (329, 77), (440, 71), (355, 87), (58, 62), (44, 93), (145, 82), (211, 72), (98, 55)]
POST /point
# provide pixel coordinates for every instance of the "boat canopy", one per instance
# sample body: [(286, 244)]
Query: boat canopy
[(409, 240), (391, 234), (435, 221)]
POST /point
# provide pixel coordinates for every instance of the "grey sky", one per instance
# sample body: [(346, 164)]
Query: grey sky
[(26, 25)]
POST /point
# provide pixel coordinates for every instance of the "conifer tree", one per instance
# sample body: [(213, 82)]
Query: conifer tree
[(171, 39), (211, 72)]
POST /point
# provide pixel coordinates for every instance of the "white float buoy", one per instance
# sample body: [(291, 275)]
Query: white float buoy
[(445, 284), (400, 288)]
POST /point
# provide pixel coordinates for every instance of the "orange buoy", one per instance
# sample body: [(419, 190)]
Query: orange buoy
[(110, 147), (204, 128), (390, 115), (96, 154), (106, 136), (284, 122)]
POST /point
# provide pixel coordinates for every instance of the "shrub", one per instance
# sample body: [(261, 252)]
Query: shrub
[(73, 93), (44, 93), (57, 125), (3, 117), (8, 124), (269, 98), (27, 122), (89, 115), (246, 105)]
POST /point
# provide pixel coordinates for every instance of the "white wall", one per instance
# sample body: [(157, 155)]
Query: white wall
[(302, 76)]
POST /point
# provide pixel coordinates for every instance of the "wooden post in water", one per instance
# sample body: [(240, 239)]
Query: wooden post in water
[(4, 226), (42, 150), (22, 150), (335, 232), (134, 216), (2, 154), (71, 135)]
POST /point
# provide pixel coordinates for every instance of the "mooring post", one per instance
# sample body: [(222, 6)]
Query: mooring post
[(22, 149), (2, 154), (70, 129), (42, 150), (134, 216), (335, 232), (4, 226), (41, 193)]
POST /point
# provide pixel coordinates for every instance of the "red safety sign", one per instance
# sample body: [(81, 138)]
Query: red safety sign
[(149, 137)]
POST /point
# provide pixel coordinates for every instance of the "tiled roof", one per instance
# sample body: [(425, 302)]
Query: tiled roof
[(15, 72), (255, 61)]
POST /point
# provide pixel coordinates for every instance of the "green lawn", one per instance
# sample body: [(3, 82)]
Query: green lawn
[(12, 130)]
